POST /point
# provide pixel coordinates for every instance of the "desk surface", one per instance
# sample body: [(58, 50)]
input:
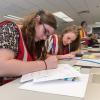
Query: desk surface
[(93, 87), (10, 91)]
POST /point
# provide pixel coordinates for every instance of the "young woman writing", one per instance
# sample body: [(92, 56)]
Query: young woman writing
[(22, 48), (66, 44)]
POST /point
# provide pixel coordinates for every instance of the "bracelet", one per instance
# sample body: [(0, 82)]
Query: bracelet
[(45, 65)]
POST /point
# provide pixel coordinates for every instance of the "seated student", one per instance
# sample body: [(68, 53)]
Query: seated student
[(92, 40), (66, 44), (83, 33), (22, 49), (96, 36), (83, 30)]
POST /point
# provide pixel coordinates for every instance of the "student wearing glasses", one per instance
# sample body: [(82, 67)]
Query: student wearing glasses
[(22, 48), (65, 45)]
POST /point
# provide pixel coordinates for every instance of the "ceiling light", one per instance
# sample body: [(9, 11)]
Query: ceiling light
[(13, 17), (63, 16)]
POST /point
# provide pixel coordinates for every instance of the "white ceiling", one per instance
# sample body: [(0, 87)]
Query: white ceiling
[(70, 7)]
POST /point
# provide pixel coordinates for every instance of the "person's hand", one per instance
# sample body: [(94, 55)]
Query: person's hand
[(51, 62)]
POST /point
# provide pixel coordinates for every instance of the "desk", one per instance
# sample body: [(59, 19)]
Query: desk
[(93, 87), (10, 91)]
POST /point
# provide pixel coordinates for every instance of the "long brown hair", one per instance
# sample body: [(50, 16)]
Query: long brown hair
[(76, 43), (28, 31)]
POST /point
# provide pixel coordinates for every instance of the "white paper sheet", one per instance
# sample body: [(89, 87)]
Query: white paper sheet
[(26, 77), (61, 87), (63, 71)]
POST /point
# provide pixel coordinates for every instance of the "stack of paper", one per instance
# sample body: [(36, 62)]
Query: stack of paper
[(60, 87), (62, 71), (41, 81)]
